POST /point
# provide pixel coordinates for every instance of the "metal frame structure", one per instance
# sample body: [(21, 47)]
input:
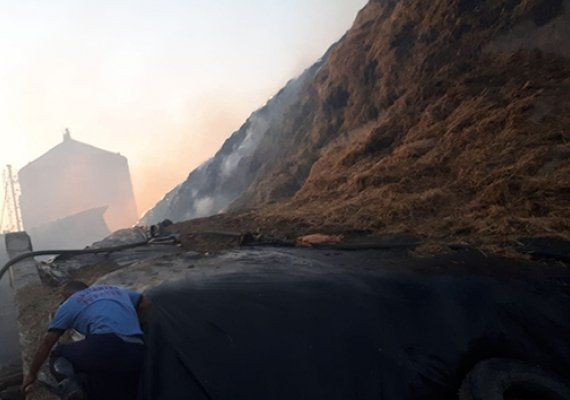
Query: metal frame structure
[(11, 216)]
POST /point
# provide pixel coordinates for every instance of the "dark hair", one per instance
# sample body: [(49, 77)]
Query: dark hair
[(74, 286)]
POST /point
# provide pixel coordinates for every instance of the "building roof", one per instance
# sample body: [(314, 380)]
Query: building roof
[(67, 147)]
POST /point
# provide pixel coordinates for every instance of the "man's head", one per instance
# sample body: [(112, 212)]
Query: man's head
[(72, 287)]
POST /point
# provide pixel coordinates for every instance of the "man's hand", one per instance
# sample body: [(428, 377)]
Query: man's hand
[(28, 381), (50, 339)]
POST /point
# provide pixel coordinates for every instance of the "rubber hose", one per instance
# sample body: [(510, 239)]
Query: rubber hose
[(67, 252)]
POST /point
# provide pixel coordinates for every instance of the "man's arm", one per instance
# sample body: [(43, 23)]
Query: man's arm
[(50, 339)]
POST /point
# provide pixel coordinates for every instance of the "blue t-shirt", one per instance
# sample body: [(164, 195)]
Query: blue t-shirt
[(99, 309)]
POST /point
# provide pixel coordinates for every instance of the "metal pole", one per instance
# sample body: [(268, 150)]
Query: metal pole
[(14, 200), (4, 205)]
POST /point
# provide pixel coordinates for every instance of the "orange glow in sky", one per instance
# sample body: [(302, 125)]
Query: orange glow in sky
[(162, 82)]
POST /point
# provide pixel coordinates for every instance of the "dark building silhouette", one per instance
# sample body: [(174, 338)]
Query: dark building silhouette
[(73, 178)]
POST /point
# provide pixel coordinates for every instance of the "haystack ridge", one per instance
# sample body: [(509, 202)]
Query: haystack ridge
[(447, 120)]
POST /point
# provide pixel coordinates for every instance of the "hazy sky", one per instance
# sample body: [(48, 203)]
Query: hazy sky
[(163, 82)]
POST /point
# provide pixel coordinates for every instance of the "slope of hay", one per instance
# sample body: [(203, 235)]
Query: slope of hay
[(439, 132), (444, 119)]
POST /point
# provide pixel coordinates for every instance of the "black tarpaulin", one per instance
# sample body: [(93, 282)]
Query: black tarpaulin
[(292, 324)]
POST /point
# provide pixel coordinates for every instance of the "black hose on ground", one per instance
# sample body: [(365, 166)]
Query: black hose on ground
[(112, 249)]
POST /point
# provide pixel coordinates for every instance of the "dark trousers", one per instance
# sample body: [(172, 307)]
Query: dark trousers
[(111, 366)]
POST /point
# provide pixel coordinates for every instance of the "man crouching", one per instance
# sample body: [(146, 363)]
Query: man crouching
[(108, 362)]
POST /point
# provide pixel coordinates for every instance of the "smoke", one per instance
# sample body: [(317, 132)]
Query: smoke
[(246, 148), (215, 185), (204, 207)]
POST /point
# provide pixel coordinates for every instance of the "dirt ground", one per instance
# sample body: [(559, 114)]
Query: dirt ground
[(229, 230)]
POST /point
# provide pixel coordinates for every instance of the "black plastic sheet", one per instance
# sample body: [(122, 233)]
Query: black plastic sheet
[(293, 324)]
